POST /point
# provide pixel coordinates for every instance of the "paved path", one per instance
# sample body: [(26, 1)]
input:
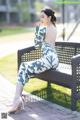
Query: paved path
[(12, 43), (35, 108)]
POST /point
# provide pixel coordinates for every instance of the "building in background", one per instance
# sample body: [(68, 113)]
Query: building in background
[(17, 11)]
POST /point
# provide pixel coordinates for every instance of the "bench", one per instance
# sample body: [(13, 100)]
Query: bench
[(68, 72)]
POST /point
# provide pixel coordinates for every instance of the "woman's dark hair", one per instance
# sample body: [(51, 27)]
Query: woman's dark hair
[(50, 12)]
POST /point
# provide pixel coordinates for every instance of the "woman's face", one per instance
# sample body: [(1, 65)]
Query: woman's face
[(44, 19)]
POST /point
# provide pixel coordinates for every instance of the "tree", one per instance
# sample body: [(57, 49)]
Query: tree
[(39, 5), (23, 9)]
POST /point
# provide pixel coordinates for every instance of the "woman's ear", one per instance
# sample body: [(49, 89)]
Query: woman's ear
[(49, 18)]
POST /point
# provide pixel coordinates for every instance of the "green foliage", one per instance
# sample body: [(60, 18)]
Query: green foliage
[(67, 1), (38, 5), (24, 9)]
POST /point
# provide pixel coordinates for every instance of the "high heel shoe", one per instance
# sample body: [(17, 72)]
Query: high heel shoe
[(24, 98), (18, 103), (18, 106)]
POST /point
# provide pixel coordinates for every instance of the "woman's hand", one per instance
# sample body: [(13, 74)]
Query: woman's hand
[(41, 24)]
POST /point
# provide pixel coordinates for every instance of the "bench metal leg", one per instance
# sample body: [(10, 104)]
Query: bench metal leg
[(73, 101), (48, 84), (49, 91)]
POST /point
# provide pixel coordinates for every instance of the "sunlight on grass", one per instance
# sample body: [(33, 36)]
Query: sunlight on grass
[(34, 85), (8, 67)]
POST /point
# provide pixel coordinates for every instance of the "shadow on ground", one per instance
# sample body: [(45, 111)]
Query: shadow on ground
[(55, 96)]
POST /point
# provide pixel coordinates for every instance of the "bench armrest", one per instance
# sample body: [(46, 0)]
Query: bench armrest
[(76, 59), (76, 72), (28, 54)]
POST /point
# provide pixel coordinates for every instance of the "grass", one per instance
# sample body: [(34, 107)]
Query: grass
[(53, 93), (8, 67), (14, 30)]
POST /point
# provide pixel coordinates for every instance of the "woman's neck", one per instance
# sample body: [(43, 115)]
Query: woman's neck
[(49, 24)]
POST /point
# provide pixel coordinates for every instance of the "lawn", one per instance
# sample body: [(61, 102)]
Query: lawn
[(53, 93), (14, 30)]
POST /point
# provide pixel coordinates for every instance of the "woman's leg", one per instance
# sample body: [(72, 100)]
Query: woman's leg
[(26, 70), (17, 101)]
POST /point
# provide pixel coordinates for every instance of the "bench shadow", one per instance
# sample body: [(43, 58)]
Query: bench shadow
[(54, 96), (49, 94)]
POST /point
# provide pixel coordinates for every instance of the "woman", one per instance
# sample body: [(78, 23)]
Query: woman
[(45, 38)]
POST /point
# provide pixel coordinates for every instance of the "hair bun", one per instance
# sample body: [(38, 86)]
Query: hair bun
[(53, 12)]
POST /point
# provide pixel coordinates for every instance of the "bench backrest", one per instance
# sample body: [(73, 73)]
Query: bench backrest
[(66, 50)]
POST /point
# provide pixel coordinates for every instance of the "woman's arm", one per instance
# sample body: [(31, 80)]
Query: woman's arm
[(39, 35)]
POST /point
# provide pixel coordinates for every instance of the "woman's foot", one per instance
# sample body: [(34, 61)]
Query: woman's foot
[(17, 106), (24, 98)]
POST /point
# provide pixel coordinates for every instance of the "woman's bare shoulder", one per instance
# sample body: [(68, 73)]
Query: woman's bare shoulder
[(51, 34), (51, 30)]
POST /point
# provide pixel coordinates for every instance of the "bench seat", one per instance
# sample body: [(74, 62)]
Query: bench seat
[(61, 76)]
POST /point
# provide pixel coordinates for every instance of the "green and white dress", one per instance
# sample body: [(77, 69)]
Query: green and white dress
[(48, 60)]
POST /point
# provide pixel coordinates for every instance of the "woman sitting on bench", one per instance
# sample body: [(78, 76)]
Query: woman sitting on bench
[(45, 38)]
